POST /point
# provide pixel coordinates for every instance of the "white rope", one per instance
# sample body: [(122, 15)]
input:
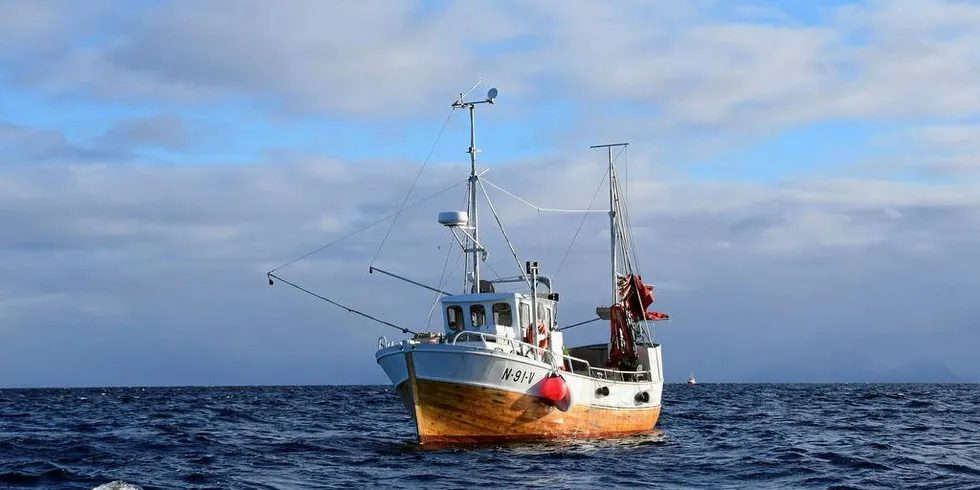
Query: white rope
[(541, 209), (504, 233)]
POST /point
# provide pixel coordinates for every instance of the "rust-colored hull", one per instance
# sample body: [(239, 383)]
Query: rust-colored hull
[(457, 413)]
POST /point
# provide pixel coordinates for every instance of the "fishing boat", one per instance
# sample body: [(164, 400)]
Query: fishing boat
[(497, 368), (691, 380)]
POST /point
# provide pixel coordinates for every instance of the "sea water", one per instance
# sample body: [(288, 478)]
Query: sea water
[(710, 436)]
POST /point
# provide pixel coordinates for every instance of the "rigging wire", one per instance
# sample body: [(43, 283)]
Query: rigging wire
[(539, 208), (621, 236), (493, 270), (321, 248), (544, 255), (348, 308), (581, 223), (504, 233), (442, 277), (580, 324), (466, 263), (434, 303), (415, 183), (624, 239), (636, 257)]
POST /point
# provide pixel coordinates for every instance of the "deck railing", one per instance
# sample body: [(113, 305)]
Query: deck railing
[(520, 347), (547, 356)]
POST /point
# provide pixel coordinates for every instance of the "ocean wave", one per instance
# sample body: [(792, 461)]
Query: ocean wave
[(717, 436)]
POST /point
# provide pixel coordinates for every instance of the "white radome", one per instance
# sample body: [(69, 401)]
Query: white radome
[(453, 218)]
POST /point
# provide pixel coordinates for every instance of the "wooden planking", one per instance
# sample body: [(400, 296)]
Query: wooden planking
[(404, 391), (458, 413), (414, 392)]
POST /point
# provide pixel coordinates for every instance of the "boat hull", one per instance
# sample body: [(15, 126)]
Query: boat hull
[(457, 413), (458, 395)]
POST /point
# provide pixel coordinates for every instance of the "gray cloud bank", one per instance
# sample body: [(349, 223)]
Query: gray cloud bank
[(141, 274), (121, 271)]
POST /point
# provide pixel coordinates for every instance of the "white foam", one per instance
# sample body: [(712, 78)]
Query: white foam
[(118, 485)]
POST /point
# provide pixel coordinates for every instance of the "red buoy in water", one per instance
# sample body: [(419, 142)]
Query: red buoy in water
[(554, 388)]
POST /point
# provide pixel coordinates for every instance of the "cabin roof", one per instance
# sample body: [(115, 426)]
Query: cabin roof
[(479, 297)]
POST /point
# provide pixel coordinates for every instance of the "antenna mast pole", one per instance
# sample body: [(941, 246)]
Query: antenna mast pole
[(473, 208), (613, 201), (476, 248)]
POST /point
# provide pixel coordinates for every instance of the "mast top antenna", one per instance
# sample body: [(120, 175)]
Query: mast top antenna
[(490, 98), (472, 222)]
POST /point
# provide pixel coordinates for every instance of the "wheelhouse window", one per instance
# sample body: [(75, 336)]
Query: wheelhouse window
[(502, 314), (525, 314), (549, 320), (454, 316), (478, 315)]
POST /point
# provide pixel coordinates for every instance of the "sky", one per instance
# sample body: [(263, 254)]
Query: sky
[(802, 180)]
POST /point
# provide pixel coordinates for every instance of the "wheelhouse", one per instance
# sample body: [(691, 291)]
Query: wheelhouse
[(505, 315)]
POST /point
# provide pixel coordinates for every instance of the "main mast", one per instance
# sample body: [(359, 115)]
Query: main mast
[(613, 228), (473, 207), (473, 225)]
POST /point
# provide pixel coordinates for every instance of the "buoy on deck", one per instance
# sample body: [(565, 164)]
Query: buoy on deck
[(554, 388)]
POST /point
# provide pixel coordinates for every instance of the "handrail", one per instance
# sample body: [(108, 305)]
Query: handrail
[(622, 374), (484, 335), (588, 367)]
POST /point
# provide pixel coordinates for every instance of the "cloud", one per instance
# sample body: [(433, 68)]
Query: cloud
[(20, 145), (160, 131), (691, 65), (31, 28), (356, 59), (112, 252), (121, 142), (177, 253), (945, 149), (956, 136)]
